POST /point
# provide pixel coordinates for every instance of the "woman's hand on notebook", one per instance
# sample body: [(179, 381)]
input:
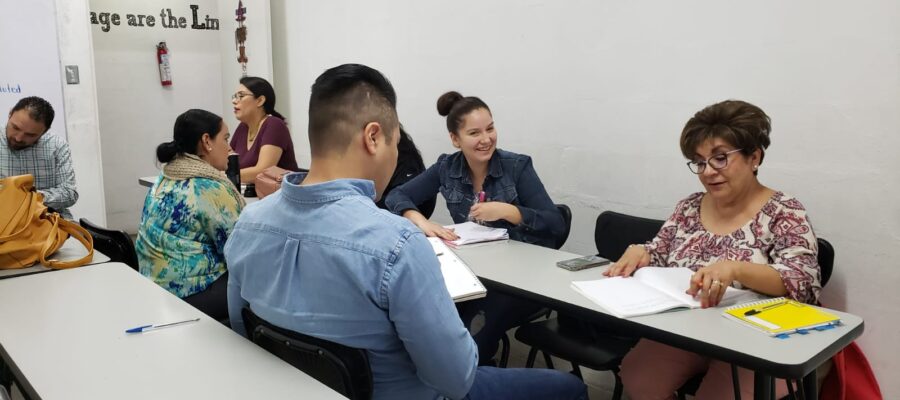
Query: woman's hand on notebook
[(710, 282), (429, 228), (432, 229), (636, 256)]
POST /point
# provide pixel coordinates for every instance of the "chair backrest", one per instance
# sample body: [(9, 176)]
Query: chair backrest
[(826, 259), (615, 231), (344, 369), (117, 245), (567, 218)]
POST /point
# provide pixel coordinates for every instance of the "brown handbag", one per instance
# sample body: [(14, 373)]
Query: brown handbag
[(268, 181), (29, 233)]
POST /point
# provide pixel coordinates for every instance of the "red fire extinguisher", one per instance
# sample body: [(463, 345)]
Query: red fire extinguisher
[(165, 71)]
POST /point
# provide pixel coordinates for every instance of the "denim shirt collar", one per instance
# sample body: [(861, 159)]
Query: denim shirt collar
[(460, 168), (326, 191)]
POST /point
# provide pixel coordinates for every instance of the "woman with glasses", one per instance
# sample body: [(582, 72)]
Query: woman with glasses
[(738, 232), (262, 139)]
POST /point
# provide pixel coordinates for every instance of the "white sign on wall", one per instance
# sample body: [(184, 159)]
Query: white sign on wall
[(30, 63)]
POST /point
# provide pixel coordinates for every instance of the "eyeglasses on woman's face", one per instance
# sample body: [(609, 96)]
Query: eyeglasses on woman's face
[(717, 162), (240, 95)]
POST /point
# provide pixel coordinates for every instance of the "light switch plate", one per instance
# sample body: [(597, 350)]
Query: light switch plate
[(72, 74)]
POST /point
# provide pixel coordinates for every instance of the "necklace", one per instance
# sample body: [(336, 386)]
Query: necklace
[(250, 139)]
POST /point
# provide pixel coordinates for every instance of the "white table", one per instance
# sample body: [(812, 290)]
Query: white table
[(63, 335), (530, 271), (72, 249), (148, 181)]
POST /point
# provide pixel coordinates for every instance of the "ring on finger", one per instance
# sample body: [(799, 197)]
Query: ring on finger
[(716, 283)]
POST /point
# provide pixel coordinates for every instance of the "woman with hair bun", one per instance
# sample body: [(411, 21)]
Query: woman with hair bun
[(483, 183), (189, 213), (262, 139)]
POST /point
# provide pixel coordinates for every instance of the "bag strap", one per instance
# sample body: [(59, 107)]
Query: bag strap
[(77, 232)]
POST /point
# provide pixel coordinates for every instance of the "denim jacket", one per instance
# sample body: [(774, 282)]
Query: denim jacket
[(511, 179)]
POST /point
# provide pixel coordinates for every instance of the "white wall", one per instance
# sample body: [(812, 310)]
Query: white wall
[(136, 112), (81, 114), (597, 93)]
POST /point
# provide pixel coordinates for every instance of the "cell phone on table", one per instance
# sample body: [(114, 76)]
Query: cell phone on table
[(580, 263)]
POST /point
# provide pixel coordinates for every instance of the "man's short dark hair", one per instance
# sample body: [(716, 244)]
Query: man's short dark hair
[(344, 99), (38, 109)]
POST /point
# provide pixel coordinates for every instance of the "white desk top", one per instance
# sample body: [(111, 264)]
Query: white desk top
[(532, 269), (72, 249), (65, 333), (148, 181)]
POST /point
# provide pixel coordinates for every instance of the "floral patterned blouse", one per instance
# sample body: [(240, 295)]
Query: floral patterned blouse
[(780, 235), (184, 226)]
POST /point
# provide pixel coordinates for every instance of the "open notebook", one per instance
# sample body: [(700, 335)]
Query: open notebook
[(460, 280), (470, 233), (649, 291), (781, 317)]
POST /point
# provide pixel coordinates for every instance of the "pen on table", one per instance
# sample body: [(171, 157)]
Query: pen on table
[(759, 310), (147, 328)]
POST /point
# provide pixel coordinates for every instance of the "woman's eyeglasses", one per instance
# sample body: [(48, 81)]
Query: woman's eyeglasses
[(240, 95), (717, 162)]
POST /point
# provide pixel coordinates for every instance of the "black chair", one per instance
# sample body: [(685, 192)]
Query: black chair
[(825, 258), (115, 244), (545, 312), (585, 344), (567, 218), (6, 381), (344, 369)]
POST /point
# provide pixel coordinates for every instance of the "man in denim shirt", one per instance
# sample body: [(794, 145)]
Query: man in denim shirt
[(318, 257)]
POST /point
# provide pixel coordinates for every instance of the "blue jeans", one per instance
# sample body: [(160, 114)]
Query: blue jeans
[(526, 383)]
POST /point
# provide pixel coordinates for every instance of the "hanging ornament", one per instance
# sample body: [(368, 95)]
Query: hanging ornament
[(240, 36)]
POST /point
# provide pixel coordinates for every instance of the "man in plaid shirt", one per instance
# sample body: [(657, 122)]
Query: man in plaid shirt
[(25, 148)]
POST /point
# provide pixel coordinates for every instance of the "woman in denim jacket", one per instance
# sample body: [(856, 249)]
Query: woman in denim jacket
[(515, 199)]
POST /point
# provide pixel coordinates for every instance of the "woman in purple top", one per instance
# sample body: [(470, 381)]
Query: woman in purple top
[(262, 139)]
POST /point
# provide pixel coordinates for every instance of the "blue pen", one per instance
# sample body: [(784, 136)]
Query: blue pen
[(147, 328)]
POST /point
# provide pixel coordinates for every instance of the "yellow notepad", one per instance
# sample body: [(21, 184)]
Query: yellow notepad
[(781, 317)]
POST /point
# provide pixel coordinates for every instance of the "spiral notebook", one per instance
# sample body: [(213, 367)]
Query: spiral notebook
[(781, 317), (460, 280)]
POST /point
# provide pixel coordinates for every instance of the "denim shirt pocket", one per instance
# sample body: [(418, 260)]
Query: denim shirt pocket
[(505, 194), (458, 204)]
